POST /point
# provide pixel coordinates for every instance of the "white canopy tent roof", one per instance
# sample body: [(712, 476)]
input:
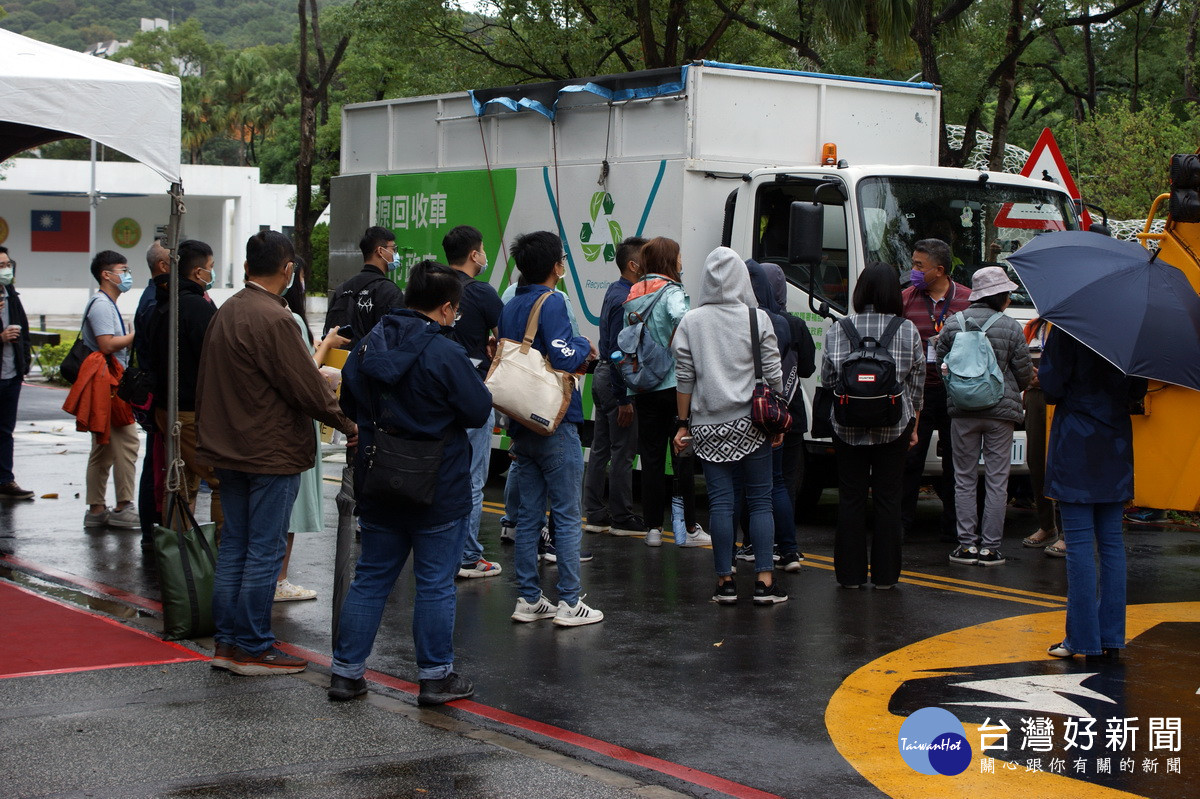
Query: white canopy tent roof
[(49, 93)]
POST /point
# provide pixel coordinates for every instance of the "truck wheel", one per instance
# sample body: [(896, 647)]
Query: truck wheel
[(814, 479), (498, 465)]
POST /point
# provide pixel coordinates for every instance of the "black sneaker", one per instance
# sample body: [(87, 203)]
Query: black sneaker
[(769, 594), (745, 552), (967, 555), (447, 689), (585, 555), (343, 689), (725, 593), (990, 557), (790, 562)]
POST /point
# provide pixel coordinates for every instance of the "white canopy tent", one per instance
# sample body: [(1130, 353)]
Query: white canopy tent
[(49, 93)]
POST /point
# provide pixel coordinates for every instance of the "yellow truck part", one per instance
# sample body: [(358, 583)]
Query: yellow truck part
[(1166, 439)]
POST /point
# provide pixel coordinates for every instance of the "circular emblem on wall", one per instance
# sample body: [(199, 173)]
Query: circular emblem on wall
[(126, 232), (3, 230)]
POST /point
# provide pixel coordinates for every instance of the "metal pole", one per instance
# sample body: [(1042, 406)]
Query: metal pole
[(92, 203), (174, 479)]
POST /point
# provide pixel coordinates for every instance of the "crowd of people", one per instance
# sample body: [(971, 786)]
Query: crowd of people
[(418, 419)]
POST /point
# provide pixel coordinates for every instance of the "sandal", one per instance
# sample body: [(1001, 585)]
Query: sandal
[(1040, 539), (1057, 550)]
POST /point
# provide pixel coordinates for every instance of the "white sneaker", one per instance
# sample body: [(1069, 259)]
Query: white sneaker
[(127, 518), (95, 519), (286, 591), (482, 568), (542, 609), (698, 538), (654, 537), (576, 615)]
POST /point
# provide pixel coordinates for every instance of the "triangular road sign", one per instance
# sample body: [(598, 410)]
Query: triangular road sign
[(1045, 162)]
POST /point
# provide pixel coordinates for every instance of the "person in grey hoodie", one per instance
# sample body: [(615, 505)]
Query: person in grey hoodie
[(991, 428), (714, 370)]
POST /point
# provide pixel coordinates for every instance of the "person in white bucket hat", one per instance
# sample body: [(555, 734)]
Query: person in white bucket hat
[(976, 426)]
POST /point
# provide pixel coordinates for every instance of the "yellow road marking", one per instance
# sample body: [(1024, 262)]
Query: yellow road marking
[(910, 578), (957, 581)]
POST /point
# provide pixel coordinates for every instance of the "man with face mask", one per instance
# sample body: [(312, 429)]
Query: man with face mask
[(931, 299), (363, 300), (257, 394), (196, 311), (14, 365), (478, 314), (104, 330)]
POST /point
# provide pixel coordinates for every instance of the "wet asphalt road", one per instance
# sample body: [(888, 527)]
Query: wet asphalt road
[(740, 692)]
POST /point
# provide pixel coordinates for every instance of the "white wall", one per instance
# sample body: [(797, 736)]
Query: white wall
[(225, 206)]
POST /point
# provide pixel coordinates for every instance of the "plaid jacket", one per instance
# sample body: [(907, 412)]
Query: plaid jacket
[(909, 355)]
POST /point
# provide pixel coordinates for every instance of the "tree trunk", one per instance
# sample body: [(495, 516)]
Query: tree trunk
[(1006, 87), (1089, 54), (923, 35)]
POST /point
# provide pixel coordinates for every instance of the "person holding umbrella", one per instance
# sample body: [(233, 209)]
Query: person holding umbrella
[(1089, 471), (1121, 315)]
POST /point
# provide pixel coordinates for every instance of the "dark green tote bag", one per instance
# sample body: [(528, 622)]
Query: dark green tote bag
[(187, 562)]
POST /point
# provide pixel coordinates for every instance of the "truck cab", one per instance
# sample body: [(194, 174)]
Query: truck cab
[(877, 213)]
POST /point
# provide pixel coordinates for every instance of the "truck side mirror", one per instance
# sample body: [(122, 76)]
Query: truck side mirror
[(806, 227)]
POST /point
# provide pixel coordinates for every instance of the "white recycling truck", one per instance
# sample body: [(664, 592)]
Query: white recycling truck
[(708, 154)]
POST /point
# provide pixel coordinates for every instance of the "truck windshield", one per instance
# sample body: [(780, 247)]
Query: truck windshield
[(983, 223)]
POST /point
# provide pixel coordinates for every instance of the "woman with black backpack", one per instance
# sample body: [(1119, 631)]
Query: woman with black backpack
[(875, 365)]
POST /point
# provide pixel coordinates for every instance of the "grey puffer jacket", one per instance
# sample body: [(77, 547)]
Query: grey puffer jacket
[(1012, 355)]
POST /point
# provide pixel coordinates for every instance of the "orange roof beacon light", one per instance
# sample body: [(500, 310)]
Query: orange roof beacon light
[(829, 154)]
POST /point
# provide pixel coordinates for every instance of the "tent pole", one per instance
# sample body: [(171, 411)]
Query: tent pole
[(174, 477), (92, 203)]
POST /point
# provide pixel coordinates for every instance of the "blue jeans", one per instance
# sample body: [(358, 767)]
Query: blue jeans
[(549, 467), (253, 540), (1095, 609), (754, 474), (481, 456), (385, 548), (10, 396)]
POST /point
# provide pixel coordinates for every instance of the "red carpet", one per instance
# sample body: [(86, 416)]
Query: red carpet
[(44, 636)]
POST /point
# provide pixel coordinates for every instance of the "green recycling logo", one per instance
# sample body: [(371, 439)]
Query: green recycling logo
[(593, 250)]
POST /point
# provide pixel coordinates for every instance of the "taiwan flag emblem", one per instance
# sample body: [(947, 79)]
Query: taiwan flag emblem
[(59, 231)]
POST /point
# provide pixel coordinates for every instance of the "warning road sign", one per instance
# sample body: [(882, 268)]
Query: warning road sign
[(1045, 163)]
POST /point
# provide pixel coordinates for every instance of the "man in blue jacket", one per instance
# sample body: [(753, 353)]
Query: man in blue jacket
[(550, 466), (408, 378)]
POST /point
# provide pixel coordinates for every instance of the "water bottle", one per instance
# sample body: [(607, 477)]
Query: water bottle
[(616, 357), (678, 523)]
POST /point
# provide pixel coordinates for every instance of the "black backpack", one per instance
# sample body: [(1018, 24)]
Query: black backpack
[(867, 393), (346, 307)]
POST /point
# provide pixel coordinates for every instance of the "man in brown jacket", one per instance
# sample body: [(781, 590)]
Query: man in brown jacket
[(257, 392)]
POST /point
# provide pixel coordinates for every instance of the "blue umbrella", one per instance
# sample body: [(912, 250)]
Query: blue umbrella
[(1135, 310)]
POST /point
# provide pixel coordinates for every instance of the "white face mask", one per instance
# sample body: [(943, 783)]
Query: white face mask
[(6, 276)]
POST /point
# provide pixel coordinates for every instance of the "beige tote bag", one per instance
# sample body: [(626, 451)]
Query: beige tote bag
[(524, 386)]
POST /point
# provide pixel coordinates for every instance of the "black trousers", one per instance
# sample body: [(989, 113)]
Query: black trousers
[(934, 416), (656, 413), (879, 468)]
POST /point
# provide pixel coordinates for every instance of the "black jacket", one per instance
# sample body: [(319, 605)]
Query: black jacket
[(362, 301), (16, 314), (195, 312)]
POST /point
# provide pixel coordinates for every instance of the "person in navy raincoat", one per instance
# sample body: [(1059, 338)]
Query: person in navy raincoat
[(410, 378), (1089, 471)]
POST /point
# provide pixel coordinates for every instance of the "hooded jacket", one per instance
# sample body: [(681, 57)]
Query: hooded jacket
[(664, 316), (714, 361), (418, 384)]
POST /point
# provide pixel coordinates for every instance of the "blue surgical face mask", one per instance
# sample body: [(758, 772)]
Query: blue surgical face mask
[(126, 282), (395, 260), (209, 283), (917, 278)]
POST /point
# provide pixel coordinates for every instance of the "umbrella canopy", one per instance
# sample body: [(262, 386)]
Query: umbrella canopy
[(1116, 297)]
